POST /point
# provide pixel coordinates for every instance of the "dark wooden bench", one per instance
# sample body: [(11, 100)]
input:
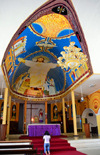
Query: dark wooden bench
[(30, 146), (17, 147), (21, 151)]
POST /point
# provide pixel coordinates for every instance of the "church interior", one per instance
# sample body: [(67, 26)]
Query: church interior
[(48, 79)]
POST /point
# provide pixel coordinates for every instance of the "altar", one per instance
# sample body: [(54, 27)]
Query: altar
[(39, 129)]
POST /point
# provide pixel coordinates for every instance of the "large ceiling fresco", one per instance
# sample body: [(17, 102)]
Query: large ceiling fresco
[(48, 54)]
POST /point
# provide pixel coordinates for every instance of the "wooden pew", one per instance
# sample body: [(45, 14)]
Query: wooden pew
[(21, 151), (17, 147)]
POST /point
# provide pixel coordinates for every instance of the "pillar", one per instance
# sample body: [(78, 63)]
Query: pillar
[(46, 112), (83, 121), (74, 113), (5, 106), (8, 118), (3, 126), (64, 116), (98, 123), (25, 109)]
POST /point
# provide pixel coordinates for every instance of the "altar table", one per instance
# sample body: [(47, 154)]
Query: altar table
[(39, 129)]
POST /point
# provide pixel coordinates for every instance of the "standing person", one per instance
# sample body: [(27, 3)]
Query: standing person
[(46, 139)]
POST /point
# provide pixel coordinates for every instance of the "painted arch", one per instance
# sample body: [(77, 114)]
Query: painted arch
[(48, 54)]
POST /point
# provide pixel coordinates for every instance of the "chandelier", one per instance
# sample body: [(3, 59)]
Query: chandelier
[(72, 57)]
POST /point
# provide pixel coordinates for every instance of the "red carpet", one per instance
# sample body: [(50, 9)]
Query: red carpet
[(58, 146)]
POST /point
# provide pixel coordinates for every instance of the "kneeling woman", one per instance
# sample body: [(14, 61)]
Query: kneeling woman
[(46, 138)]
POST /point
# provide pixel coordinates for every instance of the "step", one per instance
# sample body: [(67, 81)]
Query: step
[(56, 144), (72, 152), (52, 140), (54, 149)]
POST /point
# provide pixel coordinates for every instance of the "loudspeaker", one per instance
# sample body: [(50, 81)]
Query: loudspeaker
[(79, 101), (90, 114)]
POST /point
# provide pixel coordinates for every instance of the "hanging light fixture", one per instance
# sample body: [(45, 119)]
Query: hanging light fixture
[(68, 103), (82, 98), (72, 57), (1, 95)]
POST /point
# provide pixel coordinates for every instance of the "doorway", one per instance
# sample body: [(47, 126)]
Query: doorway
[(90, 118)]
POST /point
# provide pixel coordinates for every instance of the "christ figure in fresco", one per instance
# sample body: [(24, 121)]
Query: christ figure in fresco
[(38, 70)]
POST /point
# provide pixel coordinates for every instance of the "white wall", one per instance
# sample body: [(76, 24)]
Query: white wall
[(89, 15), (13, 13)]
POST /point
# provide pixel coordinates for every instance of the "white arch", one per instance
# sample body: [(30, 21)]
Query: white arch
[(90, 119), (86, 111)]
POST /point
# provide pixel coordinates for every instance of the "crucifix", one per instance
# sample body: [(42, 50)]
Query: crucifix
[(31, 112)]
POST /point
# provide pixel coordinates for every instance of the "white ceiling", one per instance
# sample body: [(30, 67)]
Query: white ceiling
[(91, 85), (88, 87)]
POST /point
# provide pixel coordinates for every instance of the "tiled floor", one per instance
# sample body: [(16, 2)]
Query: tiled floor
[(89, 146)]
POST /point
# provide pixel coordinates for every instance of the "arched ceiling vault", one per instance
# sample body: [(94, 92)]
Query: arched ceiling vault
[(48, 55)]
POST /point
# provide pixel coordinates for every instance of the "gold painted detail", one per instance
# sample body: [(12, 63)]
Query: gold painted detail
[(52, 25), (74, 60)]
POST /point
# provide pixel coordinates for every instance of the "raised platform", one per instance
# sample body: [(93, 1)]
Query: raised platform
[(39, 129), (58, 146)]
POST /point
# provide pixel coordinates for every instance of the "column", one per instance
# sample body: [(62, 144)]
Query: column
[(8, 118), (83, 122), (74, 113), (46, 112), (3, 126), (98, 123), (25, 109), (64, 116), (5, 106)]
